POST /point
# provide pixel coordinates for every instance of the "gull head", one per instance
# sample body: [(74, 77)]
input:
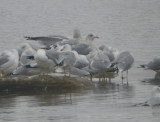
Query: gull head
[(91, 37), (25, 46), (77, 34), (66, 47)]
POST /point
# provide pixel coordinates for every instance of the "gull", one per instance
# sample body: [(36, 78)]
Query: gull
[(48, 60), (98, 63), (76, 42), (48, 40), (81, 60), (27, 70), (9, 61), (124, 61), (27, 50), (77, 35), (67, 58), (155, 97), (81, 47), (152, 65), (79, 72), (85, 47), (44, 60), (111, 52), (154, 100), (71, 60)]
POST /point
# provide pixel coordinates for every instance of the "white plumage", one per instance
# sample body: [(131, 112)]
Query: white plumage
[(9, 61)]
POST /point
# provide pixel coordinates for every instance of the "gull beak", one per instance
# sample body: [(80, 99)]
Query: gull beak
[(96, 37)]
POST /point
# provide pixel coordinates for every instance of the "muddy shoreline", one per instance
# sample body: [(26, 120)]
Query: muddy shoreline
[(45, 83)]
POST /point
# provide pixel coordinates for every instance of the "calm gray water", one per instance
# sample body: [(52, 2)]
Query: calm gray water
[(124, 24)]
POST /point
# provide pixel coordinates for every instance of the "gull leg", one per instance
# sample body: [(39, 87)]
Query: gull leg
[(64, 71), (69, 69), (91, 77), (71, 97), (65, 97), (122, 77), (42, 76), (99, 76), (104, 77), (106, 80), (127, 77), (109, 80), (3, 75)]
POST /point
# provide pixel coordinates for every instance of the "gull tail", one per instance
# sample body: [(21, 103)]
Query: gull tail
[(32, 38), (142, 104), (29, 66), (113, 70), (142, 66), (28, 37)]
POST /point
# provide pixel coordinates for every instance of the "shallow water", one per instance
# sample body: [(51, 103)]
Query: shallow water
[(126, 25)]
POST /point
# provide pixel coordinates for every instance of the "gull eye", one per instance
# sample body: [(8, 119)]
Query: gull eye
[(91, 35)]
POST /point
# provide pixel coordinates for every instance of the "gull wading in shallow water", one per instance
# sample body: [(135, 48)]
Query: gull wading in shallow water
[(155, 97), (152, 65), (124, 62), (98, 63)]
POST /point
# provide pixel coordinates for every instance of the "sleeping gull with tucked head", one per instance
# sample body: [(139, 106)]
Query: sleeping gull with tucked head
[(98, 63), (9, 61), (111, 52), (154, 100), (45, 59), (27, 50), (155, 97)]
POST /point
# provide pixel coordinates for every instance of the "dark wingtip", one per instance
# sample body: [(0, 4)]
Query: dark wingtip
[(27, 66), (141, 66), (27, 37), (30, 57)]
